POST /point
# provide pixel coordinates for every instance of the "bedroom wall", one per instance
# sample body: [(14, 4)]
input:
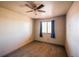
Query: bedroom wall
[(72, 27), (15, 31), (59, 30)]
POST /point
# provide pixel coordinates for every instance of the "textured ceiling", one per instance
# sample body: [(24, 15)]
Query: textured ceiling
[(52, 8)]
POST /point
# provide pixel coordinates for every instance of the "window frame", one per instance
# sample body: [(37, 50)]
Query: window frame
[(47, 28)]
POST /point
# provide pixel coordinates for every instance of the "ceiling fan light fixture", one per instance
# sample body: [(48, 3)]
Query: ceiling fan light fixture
[(34, 7)]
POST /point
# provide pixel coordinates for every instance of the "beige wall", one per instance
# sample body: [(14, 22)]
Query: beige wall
[(59, 30), (72, 27), (15, 31)]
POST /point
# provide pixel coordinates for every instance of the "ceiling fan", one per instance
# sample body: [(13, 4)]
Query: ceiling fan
[(34, 7)]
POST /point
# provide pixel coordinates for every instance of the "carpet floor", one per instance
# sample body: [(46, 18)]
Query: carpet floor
[(39, 49)]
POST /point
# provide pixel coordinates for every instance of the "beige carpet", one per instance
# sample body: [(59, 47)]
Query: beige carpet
[(39, 49)]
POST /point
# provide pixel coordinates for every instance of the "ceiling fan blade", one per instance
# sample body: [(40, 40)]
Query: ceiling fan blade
[(29, 6), (41, 11), (32, 3), (29, 11), (39, 7)]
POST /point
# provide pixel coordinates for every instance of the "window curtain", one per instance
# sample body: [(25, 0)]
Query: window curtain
[(52, 29), (41, 29)]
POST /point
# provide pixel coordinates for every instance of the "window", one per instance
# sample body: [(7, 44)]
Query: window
[(46, 27)]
